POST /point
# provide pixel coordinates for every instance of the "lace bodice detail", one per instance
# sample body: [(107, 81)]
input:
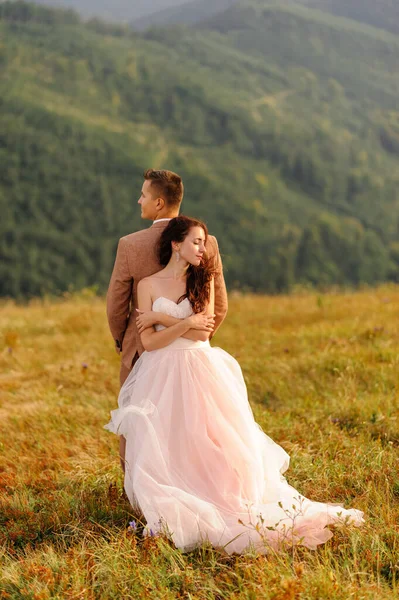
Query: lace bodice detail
[(168, 307)]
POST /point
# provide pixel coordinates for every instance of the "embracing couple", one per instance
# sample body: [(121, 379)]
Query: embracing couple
[(196, 464)]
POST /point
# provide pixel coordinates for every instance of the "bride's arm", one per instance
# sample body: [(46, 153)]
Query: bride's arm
[(209, 312), (154, 340), (149, 318)]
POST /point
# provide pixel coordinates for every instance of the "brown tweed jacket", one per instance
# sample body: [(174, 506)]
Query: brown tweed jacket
[(136, 258)]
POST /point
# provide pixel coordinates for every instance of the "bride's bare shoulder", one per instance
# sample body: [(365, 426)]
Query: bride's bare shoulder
[(148, 282), (145, 283)]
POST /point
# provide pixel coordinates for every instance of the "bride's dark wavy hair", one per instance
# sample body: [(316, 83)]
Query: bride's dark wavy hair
[(199, 278)]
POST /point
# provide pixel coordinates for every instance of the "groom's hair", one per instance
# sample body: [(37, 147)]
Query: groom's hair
[(166, 185)]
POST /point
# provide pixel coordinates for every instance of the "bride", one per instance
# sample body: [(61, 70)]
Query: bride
[(197, 464)]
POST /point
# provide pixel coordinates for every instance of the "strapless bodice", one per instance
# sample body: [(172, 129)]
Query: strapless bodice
[(179, 311), (171, 308)]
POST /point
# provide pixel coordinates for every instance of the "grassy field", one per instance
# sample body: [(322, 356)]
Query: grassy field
[(322, 373)]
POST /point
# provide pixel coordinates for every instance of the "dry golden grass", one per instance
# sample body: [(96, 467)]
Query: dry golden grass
[(322, 374)]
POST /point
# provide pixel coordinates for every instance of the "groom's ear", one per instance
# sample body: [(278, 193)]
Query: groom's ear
[(160, 203)]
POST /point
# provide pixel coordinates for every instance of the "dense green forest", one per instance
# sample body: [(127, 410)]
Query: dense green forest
[(283, 121)]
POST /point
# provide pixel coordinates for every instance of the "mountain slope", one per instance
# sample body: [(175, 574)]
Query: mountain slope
[(188, 13), (292, 162), (382, 14), (378, 13), (327, 45)]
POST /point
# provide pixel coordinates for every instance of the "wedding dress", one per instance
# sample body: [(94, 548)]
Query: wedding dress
[(198, 465)]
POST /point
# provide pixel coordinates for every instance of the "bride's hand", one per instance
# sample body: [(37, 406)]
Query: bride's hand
[(145, 319), (202, 321)]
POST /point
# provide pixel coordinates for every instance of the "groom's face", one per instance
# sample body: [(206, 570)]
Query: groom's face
[(148, 201)]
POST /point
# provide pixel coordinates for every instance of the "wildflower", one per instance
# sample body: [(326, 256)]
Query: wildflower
[(133, 525), (148, 532)]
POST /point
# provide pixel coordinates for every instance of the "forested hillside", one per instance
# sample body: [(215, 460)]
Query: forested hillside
[(284, 124), (143, 13), (379, 13), (187, 13), (383, 14)]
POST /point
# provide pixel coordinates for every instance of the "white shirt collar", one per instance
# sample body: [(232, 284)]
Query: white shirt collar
[(160, 220)]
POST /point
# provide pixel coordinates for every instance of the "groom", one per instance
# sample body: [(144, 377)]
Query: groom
[(136, 258)]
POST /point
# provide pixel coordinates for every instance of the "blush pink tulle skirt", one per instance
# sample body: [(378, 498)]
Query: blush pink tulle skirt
[(198, 465)]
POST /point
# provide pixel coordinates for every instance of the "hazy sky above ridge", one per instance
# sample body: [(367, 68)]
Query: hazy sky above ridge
[(116, 10)]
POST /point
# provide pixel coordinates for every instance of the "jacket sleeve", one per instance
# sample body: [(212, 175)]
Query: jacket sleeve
[(119, 295), (221, 302)]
